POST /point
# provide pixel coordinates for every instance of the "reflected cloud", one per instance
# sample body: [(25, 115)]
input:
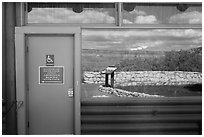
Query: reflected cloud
[(144, 33), (138, 48), (145, 45), (140, 17), (144, 17), (142, 39), (193, 17), (149, 19), (63, 15), (125, 21), (138, 12), (182, 33)]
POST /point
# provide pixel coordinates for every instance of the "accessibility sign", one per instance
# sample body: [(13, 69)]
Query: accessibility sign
[(49, 60), (51, 74)]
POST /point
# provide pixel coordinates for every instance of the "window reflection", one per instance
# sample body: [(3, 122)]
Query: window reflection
[(162, 13), (149, 62), (71, 13)]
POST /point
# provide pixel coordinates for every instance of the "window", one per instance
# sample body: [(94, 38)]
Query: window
[(96, 13), (162, 13), (149, 62), (163, 58), (115, 13)]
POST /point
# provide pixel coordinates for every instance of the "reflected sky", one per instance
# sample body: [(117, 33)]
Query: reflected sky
[(142, 39), (140, 15), (163, 15), (67, 15)]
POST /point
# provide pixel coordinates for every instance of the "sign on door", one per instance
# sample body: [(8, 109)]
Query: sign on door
[(51, 75)]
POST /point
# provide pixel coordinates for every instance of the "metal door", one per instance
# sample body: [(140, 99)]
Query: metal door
[(50, 100)]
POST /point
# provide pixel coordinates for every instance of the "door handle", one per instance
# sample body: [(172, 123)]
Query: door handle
[(70, 92)]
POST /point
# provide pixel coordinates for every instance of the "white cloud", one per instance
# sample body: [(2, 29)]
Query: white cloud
[(144, 39), (91, 17), (145, 45), (138, 12), (116, 42), (147, 33), (184, 33), (140, 17), (149, 19), (138, 48), (125, 21), (197, 41), (192, 33), (193, 17), (63, 15)]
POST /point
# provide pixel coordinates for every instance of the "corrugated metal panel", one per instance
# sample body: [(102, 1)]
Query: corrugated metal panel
[(142, 116)]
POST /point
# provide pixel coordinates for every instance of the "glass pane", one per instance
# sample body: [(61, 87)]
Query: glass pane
[(148, 62), (71, 13), (162, 13)]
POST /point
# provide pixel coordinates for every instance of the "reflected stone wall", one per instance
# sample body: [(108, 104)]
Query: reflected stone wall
[(135, 78)]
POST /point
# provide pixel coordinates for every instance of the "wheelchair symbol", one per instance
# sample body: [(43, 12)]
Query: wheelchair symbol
[(49, 60)]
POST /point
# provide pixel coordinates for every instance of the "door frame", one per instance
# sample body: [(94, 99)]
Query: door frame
[(21, 72)]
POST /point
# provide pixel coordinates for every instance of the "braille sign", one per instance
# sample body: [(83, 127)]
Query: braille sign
[(51, 75), (49, 60)]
